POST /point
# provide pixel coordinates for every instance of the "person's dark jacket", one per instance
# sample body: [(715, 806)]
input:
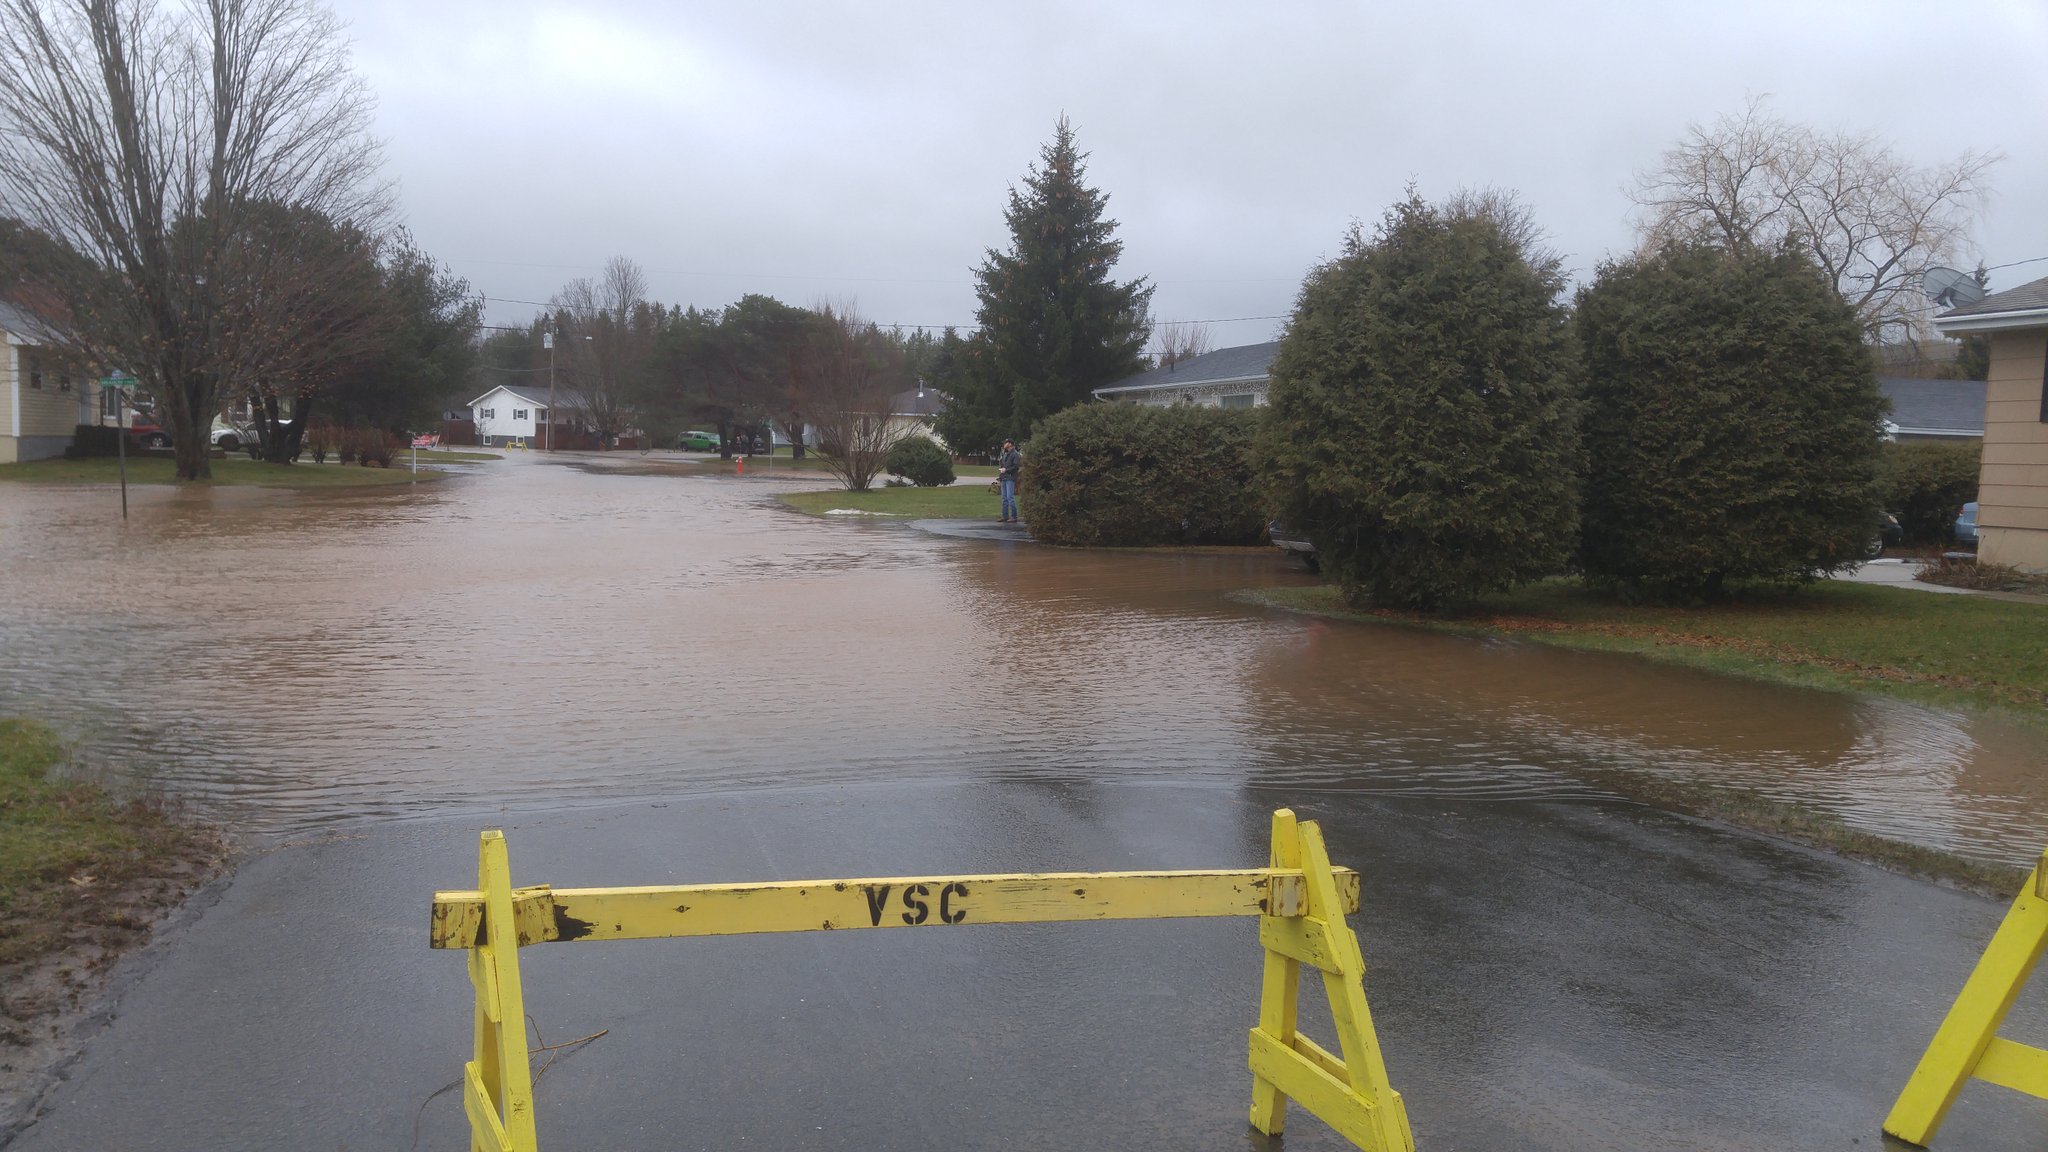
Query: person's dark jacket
[(1008, 463)]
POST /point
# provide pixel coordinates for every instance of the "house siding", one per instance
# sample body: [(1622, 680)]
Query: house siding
[(39, 422), (8, 451), (2012, 497)]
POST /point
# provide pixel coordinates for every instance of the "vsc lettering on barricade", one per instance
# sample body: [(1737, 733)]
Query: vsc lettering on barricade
[(1299, 898), (917, 902)]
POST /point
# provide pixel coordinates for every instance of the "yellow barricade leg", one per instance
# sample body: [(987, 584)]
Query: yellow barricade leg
[(497, 1091), (1967, 1044), (1351, 1094), (1280, 991)]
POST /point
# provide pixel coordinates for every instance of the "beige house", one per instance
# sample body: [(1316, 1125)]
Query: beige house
[(2012, 497), (40, 401), (914, 412)]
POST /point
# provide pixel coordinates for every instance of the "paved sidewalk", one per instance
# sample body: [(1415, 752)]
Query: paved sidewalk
[(1898, 574)]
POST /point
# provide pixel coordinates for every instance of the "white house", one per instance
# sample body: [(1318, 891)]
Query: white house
[(505, 414), (1227, 378)]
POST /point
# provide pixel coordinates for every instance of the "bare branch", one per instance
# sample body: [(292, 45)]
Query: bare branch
[(1872, 220), (149, 141)]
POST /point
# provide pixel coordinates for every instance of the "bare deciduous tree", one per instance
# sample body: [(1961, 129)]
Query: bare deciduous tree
[(1871, 219), (849, 372), (1178, 342), (608, 331), (146, 137)]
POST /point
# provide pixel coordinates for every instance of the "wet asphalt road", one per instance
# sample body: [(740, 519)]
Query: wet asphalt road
[(1544, 976)]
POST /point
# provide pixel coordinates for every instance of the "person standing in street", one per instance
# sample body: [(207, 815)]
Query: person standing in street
[(1007, 465)]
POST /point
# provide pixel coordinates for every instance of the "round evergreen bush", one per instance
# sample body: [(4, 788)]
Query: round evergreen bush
[(1732, 422), (1423, 418), (1926, 483), (1132, 475), (920, 460)]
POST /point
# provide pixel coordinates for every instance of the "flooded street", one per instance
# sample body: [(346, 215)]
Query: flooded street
[(542, 635), (648, 677)]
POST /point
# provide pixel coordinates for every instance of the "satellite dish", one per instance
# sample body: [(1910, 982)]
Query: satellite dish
[(1950, 288)]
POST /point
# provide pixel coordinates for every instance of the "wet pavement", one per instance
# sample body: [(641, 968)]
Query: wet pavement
[(653, 677), (1544, 976)]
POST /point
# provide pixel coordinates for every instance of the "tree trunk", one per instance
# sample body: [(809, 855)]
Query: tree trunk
[(191, 432), (725, 438)]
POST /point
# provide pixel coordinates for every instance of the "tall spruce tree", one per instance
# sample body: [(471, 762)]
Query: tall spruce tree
[(1421, 429), (1054, 326)]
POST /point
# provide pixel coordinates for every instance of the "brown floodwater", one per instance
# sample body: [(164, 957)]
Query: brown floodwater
[(543, 634)]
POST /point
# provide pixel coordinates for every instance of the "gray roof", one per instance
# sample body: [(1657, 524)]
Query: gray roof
[(538, 397), (917, 402), (22, 324), (1932, 406), (2025, 298), (1244, 362)]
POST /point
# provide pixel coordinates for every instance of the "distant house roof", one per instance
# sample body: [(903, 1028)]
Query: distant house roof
[(1935, 407), (23, 326), (1247, 362), (917, 402), (562, 396), (2023, 307)]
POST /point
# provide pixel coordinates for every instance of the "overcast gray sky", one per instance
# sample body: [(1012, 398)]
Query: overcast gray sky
[(816, 151)]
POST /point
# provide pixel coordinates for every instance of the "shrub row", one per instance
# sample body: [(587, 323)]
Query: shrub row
[(1122, 474), (1927, 484), (365, 445), (89, 440)]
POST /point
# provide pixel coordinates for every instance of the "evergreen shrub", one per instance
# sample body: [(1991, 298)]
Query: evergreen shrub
[(1926, 483), (920, 460), (1423, 426), (1130, 475), (89, 440), (1732, 422)]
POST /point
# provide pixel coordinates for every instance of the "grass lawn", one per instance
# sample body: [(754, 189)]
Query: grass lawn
[(961, 501), (79, 867), (1938, 649), (457, 455), (233, 471)]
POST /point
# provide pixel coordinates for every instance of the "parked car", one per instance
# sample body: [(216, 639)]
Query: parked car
[(1966, 525), (150, 435), (699, 442), (226, 436), (1889, 533)]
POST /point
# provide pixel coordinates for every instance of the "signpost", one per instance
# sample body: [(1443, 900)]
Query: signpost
[(118, 383)]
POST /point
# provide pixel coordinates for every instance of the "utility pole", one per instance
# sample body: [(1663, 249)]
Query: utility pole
[(548, 339)]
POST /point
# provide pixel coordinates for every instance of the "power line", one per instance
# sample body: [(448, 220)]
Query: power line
[(2016, 263)]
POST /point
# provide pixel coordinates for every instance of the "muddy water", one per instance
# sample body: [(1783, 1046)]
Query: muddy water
[(543, 634)]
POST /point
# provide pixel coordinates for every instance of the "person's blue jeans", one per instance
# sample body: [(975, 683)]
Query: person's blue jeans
[(1009, 485)]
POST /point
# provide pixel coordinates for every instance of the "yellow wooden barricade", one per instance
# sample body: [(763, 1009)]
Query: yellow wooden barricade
[(1967, 1045), (1299, 899)]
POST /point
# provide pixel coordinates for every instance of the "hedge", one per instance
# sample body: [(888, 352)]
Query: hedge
[(1130, 475), (1926, 483), (1733, 422), (88, 440), (1422, 424)]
